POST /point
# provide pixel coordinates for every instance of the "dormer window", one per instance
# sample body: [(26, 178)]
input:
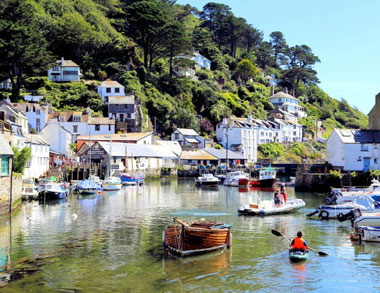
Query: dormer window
[(55, 68), (108, 90), (76, 118), (117, 90)]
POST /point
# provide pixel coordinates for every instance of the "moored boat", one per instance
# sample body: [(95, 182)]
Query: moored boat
[(298, 256), (200, 237), (268, 208), (89, 186), (368, 233), (207, 180), (29, 189), (127, 179), (236, 178), (112, 183), (53, 191), (267, 178)]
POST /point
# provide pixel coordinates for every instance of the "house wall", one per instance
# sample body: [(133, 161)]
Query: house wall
[(102, 91), (58, 138), (354, 156), (39, 163), (335, 153), (32, 119), (64, 73)]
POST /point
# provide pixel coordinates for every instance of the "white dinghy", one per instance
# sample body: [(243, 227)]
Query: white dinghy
[(267, 208)]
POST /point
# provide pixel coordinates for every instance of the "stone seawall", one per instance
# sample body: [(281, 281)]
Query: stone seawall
[(5, 183)]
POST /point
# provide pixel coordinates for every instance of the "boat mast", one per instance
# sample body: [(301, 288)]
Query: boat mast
[(125, 159), (109, 170), (90, 150)]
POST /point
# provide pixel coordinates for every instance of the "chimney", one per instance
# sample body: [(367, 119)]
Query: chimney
[(286, 90), (62, 60)]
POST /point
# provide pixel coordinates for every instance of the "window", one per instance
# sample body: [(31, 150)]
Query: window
[(75, 128), (129, 115), (97, 127), (176, 135), (70, 72), (77, 118), (38, 112), (108, 90), (364, 147), (117, 90), (4, 165), (109, 127), (375, 161), (55, 68), (189, 161)]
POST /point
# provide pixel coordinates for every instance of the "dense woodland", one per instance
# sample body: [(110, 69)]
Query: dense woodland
[(136, 43)]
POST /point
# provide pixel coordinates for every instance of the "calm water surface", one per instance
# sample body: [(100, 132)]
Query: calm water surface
[(113, 242)]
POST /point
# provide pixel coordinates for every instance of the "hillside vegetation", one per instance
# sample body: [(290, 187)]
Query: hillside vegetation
[(136, 43)]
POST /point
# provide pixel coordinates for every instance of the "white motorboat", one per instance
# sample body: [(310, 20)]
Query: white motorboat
[(112, 183), (237, 178), (207, 180), (269, 208), (29, 189), (368, 233), (89, 186), (53, 191), (363, 203), (344, 195)]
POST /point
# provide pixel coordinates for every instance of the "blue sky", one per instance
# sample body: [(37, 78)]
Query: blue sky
[(345, 35)]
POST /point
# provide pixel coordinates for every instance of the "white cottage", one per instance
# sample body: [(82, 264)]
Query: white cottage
[(64, 71), (187, 138), (110, 88), (39, 163), (287, 103), (37, 114), (58, 137), (354, 150)]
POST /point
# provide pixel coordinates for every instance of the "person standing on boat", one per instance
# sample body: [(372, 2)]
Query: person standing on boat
[(298, 244), (283, 193), (276, 198)]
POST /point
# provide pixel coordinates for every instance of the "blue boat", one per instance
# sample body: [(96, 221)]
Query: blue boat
[(53, 191), (127, 179), (89, 186)]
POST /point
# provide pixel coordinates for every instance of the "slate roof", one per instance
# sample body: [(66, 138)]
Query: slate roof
[(221, 154), (187, 131), (282, 95), (130, 99), (137, 150), (110, 83), (35, 139), (68, 116), (359, 135), (197, 155), (66, 63), (131, 136), (101, 121)]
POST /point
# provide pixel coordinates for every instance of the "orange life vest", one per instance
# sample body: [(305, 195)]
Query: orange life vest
[(298, 244)]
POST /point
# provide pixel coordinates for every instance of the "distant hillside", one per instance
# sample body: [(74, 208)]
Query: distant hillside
[(136, 43)]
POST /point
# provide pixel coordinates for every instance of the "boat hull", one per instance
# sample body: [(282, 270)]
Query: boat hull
[(130, 180), (263, 183), (111, 186), (51, 195), (185, 241), (298, 256)]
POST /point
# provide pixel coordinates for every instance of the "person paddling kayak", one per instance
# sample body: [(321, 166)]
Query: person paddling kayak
[(298, 244)]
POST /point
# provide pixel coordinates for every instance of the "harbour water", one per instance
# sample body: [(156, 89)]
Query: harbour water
[(113, 242)]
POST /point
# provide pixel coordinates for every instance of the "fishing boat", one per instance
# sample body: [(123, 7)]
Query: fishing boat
[(298, 256), (89, 186), (267, 208), (267, 178), (364, 203), (236, 178), (112, 183), (348, 194), (127, 179), (53, 191), (183, 239), (206, 180)]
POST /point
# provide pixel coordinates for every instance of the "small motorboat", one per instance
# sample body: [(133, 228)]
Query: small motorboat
[(127, 179), (89, 186), (206, 180), (267, 208), (348, 194), (53, 191), (364, 203), (298, 256), (29, 190), (236, 178), (368, 233), (112, 183), (267, 178), (200, 237)]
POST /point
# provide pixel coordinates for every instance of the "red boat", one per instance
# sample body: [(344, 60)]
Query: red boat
[(267, 178)]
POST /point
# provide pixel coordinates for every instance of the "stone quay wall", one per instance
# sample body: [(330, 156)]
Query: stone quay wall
[(5, 183)]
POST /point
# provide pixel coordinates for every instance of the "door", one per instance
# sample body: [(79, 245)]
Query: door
[(367, 163), (121, 117)]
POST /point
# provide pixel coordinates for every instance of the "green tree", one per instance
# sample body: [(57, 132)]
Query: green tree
[(264, 55), (22, 46), (246, 70), (145, 24), (278, 42), (20, 158), (252, 37)]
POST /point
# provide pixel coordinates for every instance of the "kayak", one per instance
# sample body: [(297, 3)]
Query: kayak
[(297, 256)]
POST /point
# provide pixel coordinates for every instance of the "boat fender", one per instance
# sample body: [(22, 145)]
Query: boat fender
[(324, 215)]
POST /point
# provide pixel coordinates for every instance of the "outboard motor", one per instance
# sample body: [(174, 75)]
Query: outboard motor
[(343, 217), (334, 196)]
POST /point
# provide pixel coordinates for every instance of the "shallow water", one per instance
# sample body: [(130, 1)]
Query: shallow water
[(114, 242)]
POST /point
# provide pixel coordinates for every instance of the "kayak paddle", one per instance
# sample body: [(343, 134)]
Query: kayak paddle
[(321, 253)]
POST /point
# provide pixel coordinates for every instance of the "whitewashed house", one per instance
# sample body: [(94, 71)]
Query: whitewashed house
[(287, 103), (126, 110), (6, 84), (82, 123), (239, 135), (58, 138), (37, 114), (64, 71), (13, 115), (39, 163), (110, 88), (354, 150), (187, 138), (200, 62)]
